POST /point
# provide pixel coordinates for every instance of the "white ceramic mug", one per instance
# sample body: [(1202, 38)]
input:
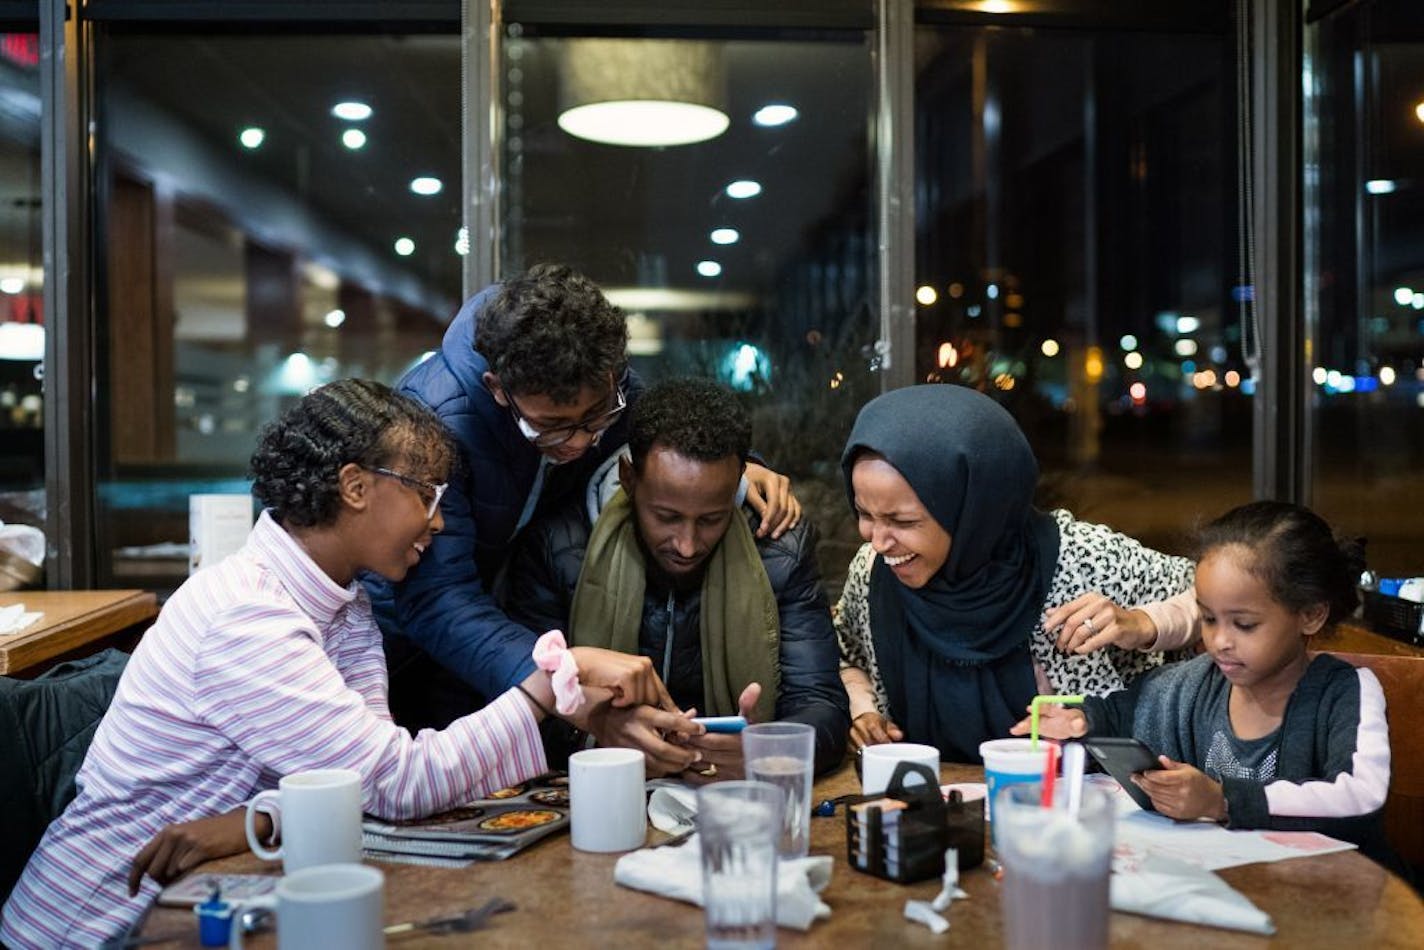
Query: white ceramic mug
[(334, 905), (320, 819), (877, 763), (607, 804)]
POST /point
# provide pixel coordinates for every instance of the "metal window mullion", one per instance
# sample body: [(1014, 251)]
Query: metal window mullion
[(1281, 446), (481, 138), (895, 188), (69, 337)]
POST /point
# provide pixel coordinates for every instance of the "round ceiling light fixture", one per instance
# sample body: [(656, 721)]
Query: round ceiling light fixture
[(774, 114), (744, 188), (425, 185), (351, 111), (642, 93)]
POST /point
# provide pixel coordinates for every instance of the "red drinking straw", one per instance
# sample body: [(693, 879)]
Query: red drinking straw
[(1050, 775)]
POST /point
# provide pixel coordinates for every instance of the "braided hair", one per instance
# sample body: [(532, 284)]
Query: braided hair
[(295, 468)]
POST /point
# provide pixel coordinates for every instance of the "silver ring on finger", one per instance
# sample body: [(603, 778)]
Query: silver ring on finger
[(1088, 622)]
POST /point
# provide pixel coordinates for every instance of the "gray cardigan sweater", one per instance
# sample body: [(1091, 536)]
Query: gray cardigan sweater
[(1332, 749)]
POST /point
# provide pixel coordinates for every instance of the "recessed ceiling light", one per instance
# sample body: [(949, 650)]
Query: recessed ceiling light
[(405, 247), (709, 268), (13, 285), (1419, 111), (462, 241), (251, 137), (647, 123), (351, 111), (1380, 186), (335, 318), (743, 188), (725, 236), (353, 138), (426, 185), (777, 113)]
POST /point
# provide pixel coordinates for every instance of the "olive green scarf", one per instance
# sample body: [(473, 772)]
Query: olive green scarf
[(741, 630)]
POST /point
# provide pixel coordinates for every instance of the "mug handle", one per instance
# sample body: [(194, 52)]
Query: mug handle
[(250, 824), (234, 933)]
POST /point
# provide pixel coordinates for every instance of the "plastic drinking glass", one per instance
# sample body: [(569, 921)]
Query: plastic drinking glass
[(738, 824), (784, 754), (1056, 868)]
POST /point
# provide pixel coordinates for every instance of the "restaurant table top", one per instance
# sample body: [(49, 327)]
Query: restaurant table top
[(567, 898), (73, 620)]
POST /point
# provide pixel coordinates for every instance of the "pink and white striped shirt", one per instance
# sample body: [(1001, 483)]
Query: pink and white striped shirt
[(256, 668)]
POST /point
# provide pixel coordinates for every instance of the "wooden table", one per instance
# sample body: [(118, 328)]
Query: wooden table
[(72, 619), (568, 898), (1355, 636)]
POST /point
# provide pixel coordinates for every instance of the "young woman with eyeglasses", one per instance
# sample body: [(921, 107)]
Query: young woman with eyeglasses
[(270, 663)]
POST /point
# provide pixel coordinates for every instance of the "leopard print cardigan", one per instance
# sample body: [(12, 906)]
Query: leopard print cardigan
[(1091, 557)]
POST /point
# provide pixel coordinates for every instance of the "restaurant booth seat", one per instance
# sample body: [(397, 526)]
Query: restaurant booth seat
[(46, 725), (1402, 679)]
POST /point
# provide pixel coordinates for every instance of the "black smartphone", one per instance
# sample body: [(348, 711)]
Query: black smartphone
[(1120, 758)]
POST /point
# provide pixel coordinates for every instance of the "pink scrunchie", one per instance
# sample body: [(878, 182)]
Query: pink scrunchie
[(551, 654)]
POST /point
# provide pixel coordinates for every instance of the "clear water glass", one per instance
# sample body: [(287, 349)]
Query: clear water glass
[(738, 824), (784, 754)]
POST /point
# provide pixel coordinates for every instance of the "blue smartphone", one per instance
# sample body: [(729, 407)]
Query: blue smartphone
[(722, 723)]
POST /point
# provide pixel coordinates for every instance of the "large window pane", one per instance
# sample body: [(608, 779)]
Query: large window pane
[(766, 284), (255, 244), (21, 284), (1365, 258), (1076, 257)]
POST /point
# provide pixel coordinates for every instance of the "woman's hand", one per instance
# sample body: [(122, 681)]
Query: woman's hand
[(180, 848), (769, 494), (1182, 791), (1055, 722), (871, 728), (631, 679), (1092, 621)]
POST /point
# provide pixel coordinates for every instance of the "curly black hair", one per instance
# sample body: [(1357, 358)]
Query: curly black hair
[(696, 418), (298, 457), (1294, 552), (550, 331)]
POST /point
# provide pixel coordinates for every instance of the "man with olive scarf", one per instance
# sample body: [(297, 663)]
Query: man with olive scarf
[(669, 567), (941, 619)]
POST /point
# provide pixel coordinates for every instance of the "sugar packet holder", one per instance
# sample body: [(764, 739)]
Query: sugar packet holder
[(901, 836)]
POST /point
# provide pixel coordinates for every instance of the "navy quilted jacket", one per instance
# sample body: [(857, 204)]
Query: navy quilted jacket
[(445, 604)]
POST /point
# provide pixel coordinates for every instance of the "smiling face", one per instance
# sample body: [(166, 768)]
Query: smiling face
[(1255, 639), (395, 531), (682, 506), (898, 526)]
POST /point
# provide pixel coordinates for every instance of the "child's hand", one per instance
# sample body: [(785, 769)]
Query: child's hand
[(1183, 791), (1055, 722)]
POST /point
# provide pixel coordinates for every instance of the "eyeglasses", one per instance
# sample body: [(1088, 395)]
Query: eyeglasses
[(548, 438), (429, 494)]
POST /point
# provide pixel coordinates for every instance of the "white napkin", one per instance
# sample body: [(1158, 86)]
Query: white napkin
[(676, 872), (1174, 890), (672, 807), (13, 619)]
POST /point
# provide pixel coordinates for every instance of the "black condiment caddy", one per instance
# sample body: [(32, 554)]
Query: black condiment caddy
[(910, 846)]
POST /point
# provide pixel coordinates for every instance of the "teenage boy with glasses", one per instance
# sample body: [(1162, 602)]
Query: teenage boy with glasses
[(532, 381)]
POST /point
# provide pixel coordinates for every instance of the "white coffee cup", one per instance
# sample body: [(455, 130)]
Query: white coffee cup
[(607, 805), (877, 763), (334, 905), (320, 819)]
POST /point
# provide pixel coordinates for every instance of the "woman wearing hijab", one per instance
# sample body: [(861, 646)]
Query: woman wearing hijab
[(941, 622)]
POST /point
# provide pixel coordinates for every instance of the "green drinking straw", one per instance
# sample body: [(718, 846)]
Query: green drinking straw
[(1033, 708)]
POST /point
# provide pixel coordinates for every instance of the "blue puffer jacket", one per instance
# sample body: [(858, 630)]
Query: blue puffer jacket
[(445, 605)]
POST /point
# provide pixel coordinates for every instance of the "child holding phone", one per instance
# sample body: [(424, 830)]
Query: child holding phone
[(1256, 733)]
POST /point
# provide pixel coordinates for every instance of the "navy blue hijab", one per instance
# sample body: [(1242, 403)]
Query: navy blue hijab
[(954, 654)]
